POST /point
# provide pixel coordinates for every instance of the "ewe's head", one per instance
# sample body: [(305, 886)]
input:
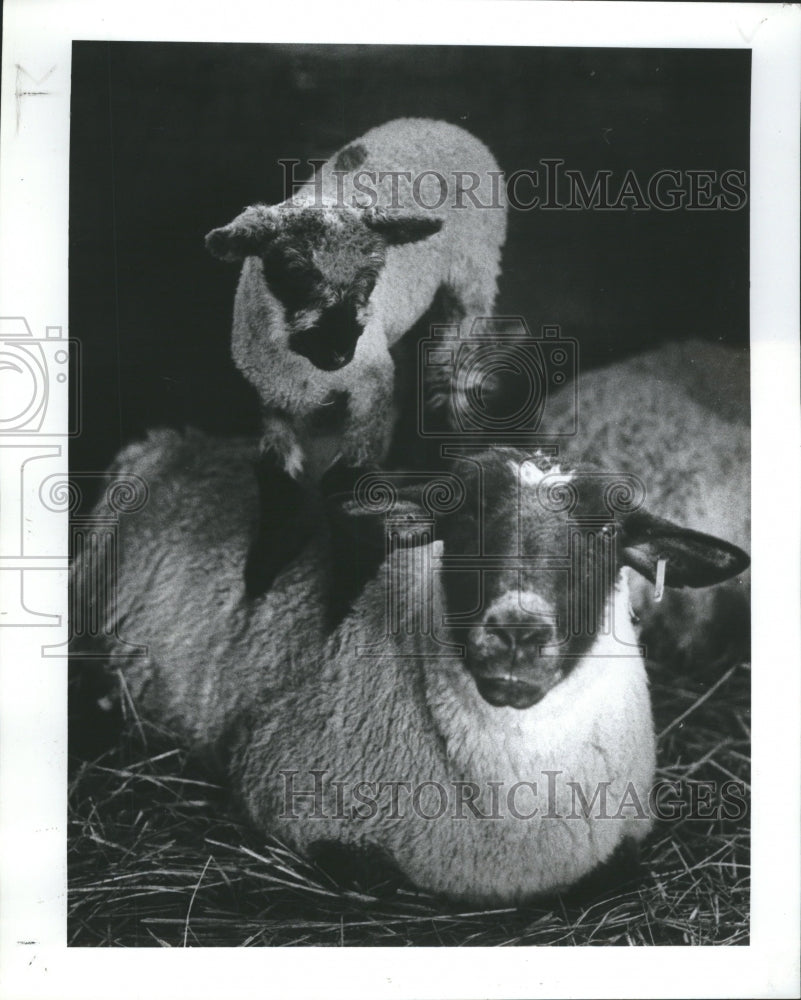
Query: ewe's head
[(322, 265), (532, 561)]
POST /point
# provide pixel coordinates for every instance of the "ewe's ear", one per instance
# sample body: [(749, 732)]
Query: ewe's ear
[(693, 558), (366, 530), (399, 226), (359, 548), (247, 235)]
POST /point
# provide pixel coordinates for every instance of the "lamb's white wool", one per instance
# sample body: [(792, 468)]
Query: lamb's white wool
[(320, 267), (277, 696), (533, 474)]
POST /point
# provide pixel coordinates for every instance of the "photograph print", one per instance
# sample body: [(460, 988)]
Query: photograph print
[(410, 509)]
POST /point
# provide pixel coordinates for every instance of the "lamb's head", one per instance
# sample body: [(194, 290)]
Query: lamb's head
[(532, 563), (321, 264)]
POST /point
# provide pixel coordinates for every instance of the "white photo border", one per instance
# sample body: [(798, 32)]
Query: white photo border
[(34, 186)]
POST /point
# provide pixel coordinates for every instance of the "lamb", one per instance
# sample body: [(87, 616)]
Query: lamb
[(407, 221), (492, 760), (688, 401)]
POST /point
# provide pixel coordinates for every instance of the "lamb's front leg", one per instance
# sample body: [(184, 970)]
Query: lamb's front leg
[(285, 518), (366, 433)]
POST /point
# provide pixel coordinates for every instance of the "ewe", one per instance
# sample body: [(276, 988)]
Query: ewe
[(390, 229), (492, 776)]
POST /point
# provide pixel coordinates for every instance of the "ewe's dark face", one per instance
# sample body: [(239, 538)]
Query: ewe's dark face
[(537, 604), (323, 272), (550, 543), (531, 555)]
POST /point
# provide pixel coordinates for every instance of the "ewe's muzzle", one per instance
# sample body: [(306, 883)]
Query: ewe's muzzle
[(509, 659)]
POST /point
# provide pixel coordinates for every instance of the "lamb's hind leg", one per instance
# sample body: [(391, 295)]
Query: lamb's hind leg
[(424, 385), (470, 305), (452, 307)]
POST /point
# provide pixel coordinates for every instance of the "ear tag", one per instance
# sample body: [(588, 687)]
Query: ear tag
[(659, 586)]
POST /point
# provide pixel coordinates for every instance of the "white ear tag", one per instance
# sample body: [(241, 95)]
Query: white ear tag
[(659, 586)]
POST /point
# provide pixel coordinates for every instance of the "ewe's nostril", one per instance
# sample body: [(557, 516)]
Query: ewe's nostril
[(520, 634), (523, 634)]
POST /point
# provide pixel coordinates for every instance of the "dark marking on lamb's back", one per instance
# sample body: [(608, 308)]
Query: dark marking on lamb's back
[(351, 157)]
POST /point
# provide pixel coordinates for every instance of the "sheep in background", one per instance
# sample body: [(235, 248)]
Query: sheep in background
[(679, 417), (332, 278), (276, 697)]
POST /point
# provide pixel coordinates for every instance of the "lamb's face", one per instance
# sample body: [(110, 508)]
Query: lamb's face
[(322, 264), (323, 267), (538, 593)]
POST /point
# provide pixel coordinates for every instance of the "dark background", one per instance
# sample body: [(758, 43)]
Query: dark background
[(170, 140)]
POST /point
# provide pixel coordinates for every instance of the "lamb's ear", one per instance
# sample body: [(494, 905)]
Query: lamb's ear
[(693, 559), (399, 226), (247, 235)]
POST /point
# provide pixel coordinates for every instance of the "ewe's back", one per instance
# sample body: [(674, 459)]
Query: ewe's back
[(257, 682), (185, 549), (678, 417)]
